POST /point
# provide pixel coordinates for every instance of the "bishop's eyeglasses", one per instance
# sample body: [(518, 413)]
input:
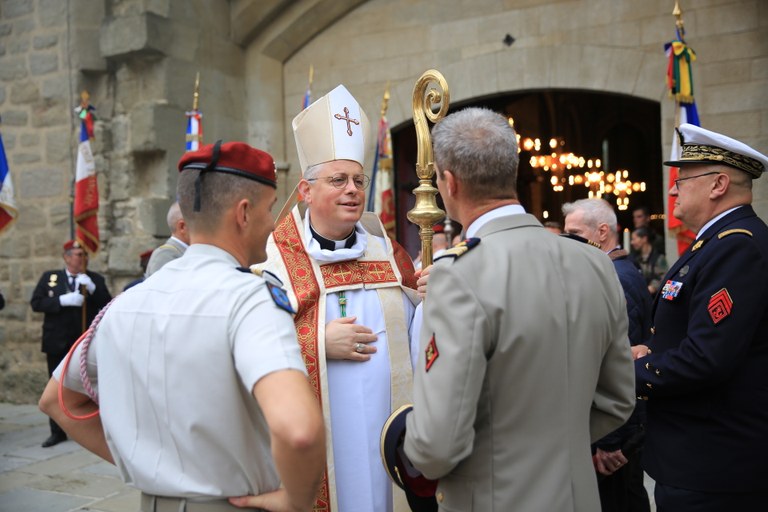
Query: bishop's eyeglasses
[(340, 180)]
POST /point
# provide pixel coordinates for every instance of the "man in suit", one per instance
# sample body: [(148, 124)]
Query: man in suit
[(175, 246), (524, 356), (617, 455), (61, 295), (705, 375)]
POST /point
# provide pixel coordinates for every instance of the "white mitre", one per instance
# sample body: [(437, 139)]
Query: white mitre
[(332, 128)]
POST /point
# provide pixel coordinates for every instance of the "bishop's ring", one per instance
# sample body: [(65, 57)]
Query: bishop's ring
[(359, 347)]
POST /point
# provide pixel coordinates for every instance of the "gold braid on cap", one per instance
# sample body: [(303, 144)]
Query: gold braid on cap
[(695, 152)]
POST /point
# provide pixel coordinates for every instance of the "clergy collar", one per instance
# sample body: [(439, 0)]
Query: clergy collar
[(332, 245)]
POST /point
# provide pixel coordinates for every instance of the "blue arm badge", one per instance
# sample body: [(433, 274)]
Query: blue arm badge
[(280, 297)]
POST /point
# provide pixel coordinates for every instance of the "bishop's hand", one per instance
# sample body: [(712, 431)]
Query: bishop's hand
[(344, 339)]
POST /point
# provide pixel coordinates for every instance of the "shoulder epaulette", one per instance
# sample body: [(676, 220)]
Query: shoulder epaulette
[(580, 239), (733, 232), (459, 249), (274, 285)]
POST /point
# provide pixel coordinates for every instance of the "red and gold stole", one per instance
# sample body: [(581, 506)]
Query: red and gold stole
[(389, 272)]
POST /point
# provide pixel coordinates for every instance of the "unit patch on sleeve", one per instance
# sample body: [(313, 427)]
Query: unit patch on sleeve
[(720, 305), (431, 352), (280, 297)]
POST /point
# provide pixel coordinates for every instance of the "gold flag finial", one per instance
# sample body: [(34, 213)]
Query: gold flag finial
[(426, 212), (84, 97), (678, 14), (311, 74), (196, 97)]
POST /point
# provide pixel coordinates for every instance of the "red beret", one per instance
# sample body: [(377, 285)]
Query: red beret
[(438, 228), (71, 244), (236, 158)]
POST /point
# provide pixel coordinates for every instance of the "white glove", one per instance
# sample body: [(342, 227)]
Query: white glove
[(71, 299), (85, 279)]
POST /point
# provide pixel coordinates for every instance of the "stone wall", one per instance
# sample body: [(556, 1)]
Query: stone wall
[(138, 61), (602, 45)]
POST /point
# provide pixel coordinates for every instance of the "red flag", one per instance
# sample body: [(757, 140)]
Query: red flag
[(86, 188), (684, 236)]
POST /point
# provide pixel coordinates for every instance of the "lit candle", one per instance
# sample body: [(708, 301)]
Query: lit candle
[(626, 239)]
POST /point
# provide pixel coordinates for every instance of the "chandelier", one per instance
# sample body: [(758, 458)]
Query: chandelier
[(601, 183), (556, 161), (568, 168)]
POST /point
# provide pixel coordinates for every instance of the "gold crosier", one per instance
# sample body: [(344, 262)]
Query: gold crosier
[(426, 213)]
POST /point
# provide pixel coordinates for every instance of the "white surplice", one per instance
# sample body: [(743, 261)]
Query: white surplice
[(359, 394)]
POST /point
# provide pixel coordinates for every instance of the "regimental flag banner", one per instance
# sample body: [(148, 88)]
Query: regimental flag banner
[(8, 211), (680, 85), (86, 207), (381, 199), (679, 72)]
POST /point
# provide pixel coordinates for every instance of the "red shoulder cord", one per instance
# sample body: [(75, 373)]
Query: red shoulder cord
[(85, 339)]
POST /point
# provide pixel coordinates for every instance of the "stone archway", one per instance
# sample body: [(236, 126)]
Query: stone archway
[(621, 130)]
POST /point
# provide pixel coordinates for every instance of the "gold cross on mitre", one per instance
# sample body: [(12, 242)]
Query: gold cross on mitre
[(348, 119)]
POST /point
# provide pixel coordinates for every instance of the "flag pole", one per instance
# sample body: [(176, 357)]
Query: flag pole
[(196, 96), (84, 97), (678, 14), (426, 212), (194, 136)]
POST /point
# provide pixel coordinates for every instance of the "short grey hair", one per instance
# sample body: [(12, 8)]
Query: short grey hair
[(174, 216), (313, 171), (218, 191), (596, 212), (480, 148)]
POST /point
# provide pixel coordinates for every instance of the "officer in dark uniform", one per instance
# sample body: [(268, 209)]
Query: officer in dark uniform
[(704, 374), (61, 295)]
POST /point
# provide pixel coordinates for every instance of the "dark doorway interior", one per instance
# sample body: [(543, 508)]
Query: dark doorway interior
[(622, 131)]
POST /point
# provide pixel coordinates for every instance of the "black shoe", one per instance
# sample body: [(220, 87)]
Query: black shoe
[(54, 440)]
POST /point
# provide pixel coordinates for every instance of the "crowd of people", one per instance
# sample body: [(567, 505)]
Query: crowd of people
[(272, 362)]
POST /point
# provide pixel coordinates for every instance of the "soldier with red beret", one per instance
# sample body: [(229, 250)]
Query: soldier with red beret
[(206, 395)]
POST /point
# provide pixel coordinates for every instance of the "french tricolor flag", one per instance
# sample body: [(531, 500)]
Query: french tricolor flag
[(8, 212), (194, 130), (86, 206)]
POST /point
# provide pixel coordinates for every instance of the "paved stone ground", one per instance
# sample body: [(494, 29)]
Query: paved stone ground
[(64, 478)]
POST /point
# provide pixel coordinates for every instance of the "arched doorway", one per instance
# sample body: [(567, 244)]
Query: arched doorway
[(623, 132)]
